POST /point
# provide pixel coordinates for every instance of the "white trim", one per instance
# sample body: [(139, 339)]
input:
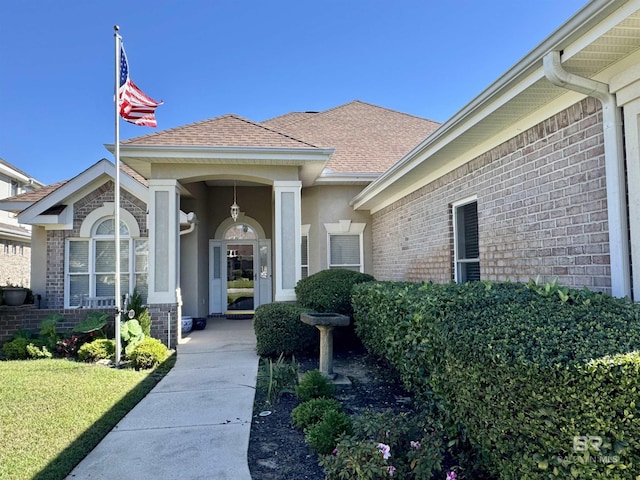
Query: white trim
[(242, 218), (454, 221), (108, 210), (79, 186), (346, 227)]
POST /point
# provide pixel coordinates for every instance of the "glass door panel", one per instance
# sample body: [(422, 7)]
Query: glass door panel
[(240, 276)]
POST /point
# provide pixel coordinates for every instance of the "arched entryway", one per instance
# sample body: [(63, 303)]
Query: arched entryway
[(239, 267)]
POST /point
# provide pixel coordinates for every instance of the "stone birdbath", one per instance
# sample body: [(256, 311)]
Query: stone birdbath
[(326, 322)]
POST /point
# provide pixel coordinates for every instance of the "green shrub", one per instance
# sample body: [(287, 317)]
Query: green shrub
[(99, 349), (314, 385), (37, 352), (149, 353), (16, 349), (552, 366), (279, 330), (323, 436), (329, 290), (312, 411)]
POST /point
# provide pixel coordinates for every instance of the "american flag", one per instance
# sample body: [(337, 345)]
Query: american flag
[(135, 106)]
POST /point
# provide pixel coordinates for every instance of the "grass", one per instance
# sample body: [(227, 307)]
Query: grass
[(54, 412)]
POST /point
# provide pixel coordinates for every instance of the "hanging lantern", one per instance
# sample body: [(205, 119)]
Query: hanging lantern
[(235, 208)]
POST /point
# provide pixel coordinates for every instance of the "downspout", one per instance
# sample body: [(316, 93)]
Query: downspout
[(193, 221), (614, 167)]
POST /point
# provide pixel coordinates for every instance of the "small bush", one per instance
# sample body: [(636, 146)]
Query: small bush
[(323, 436), (149, 353), (329, 290), (99, 349), (409, 443), (16, 349), (313, 411), (314, 385), (279, 330), (37, 352)]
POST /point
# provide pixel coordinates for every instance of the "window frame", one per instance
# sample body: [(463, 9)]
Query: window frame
[(132, 269), (346, 228), (457, 261), (304, 233)]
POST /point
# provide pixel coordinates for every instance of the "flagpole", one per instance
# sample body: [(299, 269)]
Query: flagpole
[(118, 40)]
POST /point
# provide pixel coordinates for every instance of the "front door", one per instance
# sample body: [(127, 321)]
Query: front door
[(242, 276), (239, 275)]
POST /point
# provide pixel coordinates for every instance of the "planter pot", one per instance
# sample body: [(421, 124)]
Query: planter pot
[(14, 296)]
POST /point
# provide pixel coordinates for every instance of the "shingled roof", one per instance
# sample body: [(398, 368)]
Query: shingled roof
[(366, 138), (225, 131)]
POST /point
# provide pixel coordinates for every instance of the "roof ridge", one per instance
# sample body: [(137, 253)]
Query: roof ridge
[(395, 111), (277, 132), (179, 127)]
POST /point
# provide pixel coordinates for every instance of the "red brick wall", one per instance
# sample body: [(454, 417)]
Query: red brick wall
[(542, 210)]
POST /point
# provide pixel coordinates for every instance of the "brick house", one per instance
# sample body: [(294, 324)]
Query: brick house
[(538, 176), (15, 238), (532, 178)]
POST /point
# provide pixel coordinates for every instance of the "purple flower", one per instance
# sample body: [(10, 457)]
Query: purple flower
[(452, 475), (385, 450), (415, 445), (392, 470), (335, 451)]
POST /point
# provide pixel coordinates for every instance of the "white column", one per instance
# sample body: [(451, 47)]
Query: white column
[(164, 241), (287, 249), (626, 86)]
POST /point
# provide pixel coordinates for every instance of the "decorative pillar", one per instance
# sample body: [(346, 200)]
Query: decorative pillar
[(164, 241), (287, 248)]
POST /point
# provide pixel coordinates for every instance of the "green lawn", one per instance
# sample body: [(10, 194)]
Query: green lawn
[(53, 412)]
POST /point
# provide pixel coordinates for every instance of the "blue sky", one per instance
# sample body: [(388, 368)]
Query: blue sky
[(255, 58)]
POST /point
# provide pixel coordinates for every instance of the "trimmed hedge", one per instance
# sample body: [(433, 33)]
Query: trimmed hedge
[(279, 330), (329, 290), (543, 381)]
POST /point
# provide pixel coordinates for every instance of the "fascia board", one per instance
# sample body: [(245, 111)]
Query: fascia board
[(83, 182), (159, 153), (14, 207)]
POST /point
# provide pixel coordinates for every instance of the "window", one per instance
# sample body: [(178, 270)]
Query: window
[(90, 263), (15, 188), (466, 247), (304, 263), (345, 245)]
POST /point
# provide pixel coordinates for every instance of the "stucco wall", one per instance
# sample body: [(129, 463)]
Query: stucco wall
[(54, 295), (542, 210), (330, 204)]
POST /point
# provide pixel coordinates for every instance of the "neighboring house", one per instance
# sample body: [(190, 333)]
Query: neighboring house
[(15, 238), (531, 179)]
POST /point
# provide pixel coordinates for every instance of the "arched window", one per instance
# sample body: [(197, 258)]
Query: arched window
[(90, 261)]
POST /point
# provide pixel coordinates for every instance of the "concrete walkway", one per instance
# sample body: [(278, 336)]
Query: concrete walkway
[(195, 423)]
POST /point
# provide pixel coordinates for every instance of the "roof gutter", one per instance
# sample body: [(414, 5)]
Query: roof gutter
[(614, 167)]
